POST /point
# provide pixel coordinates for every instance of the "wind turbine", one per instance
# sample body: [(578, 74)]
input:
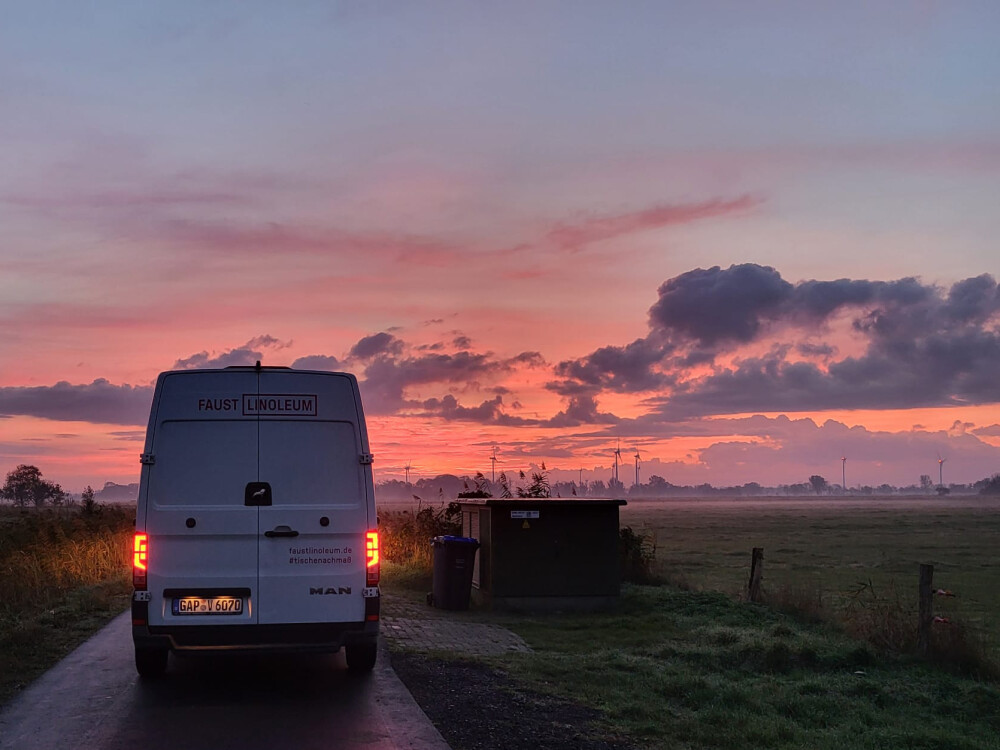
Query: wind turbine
[(618, 457), (637, 466), (407, 470), (941, 470), (493, 460), (843, 470)]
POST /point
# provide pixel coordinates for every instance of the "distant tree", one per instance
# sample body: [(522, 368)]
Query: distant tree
[(990, 486), (925, 482), (90, 506), (58, 498), (818, 483), (25, 485), (942, 490)]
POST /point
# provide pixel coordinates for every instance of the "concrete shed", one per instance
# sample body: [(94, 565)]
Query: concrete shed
[(548, 553)]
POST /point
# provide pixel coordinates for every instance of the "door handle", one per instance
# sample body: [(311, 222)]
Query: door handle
[(279, 531)]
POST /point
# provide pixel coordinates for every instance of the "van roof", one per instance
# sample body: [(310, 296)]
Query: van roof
[(257, 367)]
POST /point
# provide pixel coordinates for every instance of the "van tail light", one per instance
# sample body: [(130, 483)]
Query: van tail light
[(140, 559), (372, 557)]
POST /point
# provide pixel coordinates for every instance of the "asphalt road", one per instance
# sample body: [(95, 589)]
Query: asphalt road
[(94, 699)]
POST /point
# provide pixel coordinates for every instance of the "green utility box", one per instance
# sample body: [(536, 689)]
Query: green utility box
[(546, 553)]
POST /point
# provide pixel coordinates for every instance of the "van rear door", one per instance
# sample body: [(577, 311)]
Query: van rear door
[(203, 535), (312, 535)]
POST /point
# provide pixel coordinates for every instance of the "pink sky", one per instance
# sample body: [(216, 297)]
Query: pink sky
[(547, 229)]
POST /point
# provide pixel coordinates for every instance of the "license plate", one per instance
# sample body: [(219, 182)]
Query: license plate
[(200, 605)]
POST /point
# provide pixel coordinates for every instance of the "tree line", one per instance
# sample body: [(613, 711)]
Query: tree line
[(25, 488)]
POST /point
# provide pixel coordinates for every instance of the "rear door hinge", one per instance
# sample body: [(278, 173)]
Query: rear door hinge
[(366, 458), (147, 459)]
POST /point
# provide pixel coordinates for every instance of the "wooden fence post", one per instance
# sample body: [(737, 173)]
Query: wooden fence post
[(925, 609), (756, 574)]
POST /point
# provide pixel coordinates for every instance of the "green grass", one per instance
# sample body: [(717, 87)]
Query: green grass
[(684, 669), (822, 554), (62, 577)]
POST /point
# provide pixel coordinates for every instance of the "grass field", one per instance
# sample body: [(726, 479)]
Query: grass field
[(827, 550)]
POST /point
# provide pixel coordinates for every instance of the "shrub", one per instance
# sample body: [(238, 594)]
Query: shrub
[(406, 537), (637, 552)]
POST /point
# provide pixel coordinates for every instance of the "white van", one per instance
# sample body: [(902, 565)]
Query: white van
[(256, 525)]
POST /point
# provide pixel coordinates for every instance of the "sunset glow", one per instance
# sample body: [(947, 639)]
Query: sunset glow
[(748, 242)]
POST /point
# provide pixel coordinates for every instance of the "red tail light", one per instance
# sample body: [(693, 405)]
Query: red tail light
[(372, 557), (139, 560)]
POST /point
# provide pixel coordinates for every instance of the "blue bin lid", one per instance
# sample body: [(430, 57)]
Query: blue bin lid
[(454, 540)]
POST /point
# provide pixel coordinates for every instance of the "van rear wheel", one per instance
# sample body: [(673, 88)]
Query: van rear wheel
[(361, 656), (151, 662)]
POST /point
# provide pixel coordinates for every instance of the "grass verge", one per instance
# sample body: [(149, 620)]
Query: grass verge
[(685, 669), (63, 576)]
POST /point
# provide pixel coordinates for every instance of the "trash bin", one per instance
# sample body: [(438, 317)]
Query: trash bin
[(454, 557)]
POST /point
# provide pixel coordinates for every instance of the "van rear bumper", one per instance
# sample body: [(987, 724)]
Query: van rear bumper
[(319, 637)]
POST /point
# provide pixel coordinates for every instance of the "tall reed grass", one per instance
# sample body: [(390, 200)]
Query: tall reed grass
[(46, 554)]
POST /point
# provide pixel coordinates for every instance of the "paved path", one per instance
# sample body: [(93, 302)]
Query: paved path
[(93, 699), (448, 635), (418, 627)]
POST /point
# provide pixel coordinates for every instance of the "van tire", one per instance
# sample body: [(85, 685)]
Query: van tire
[(361, 656), (151, 663)]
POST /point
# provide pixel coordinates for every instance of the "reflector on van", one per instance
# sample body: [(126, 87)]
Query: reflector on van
[(372, 557), (140, 554)]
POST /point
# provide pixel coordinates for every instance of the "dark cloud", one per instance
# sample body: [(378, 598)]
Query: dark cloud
[(622, 368), (317, 362), (581, 410), (936, 369), (267, 341), (923, 345), (973, 300), (462, 342), (816, 350), (99, 402), (247, 354), (376, 344), (992, 430), (488, 412), (712, 306), (528, 359), (386, 378)]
